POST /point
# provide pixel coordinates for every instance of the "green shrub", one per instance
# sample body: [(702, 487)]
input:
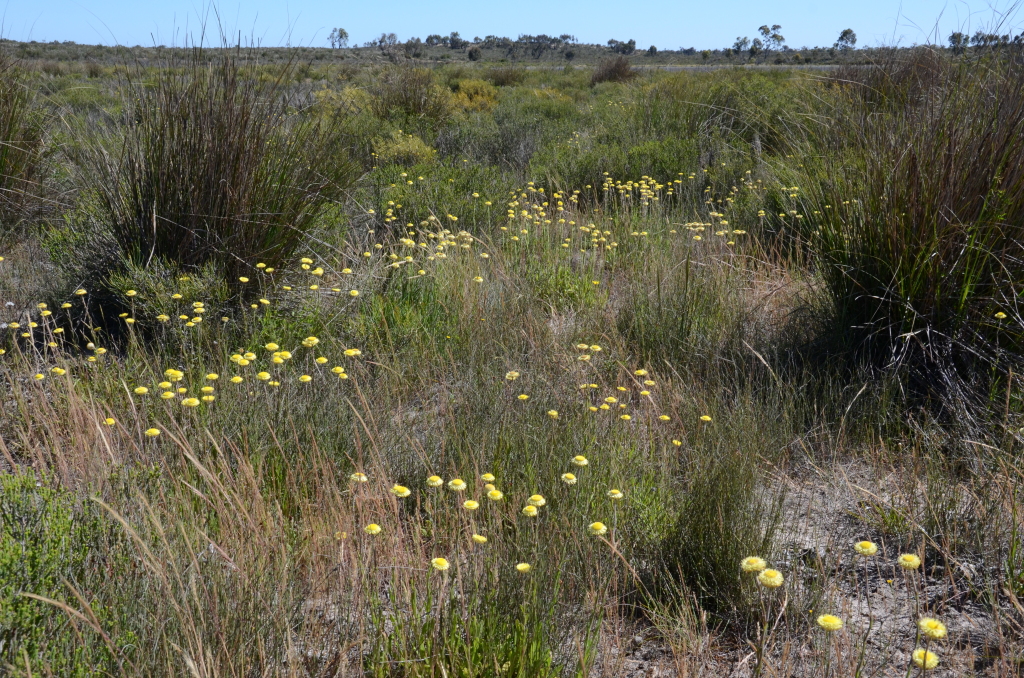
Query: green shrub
[(21, 151)]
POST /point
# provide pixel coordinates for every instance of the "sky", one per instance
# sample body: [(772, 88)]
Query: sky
[(668, 25)]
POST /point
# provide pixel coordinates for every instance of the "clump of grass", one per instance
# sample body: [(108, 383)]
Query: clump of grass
[(411, 92), (506, 76), (22, 150), (613, 70), (211, 162)]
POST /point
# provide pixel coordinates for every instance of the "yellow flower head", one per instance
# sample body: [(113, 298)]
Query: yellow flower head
[(866, 548), (705, 418), (924, 659), (909, 561), (536, 500), (487, 477), (305, 378), (597, 529), (152, 432), (141, 390), (272, 347), (770, 579), (400, 491), (358, 477), (580, 460), (310, 342), (479, 539), (568, 479), (753, 564), (236, 380), (495, 495), (263, 376), (434, 481), (440, 564), (615, 494), (523, 396), (1000, 315), (523, 567), (640, 373), (353, 352), (457, 485), (553, 414), (470, 505), (109, 421), (931, 628), (213, 376), (830, 622), (372, 528), (190, 402), (512, 376), (530, 511)]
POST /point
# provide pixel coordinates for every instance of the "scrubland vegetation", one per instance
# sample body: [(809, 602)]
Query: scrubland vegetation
[(484, 371)]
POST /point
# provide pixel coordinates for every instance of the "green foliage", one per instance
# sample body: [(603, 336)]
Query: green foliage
[(22, 151)]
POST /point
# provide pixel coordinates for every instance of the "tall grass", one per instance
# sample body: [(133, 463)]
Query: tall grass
[(213, 160), (22, 150)]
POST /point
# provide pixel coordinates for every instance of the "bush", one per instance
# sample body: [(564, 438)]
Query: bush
[(212, 164), (506, 76), (475, 95), (613, 70), (411, 92), (403, 149)]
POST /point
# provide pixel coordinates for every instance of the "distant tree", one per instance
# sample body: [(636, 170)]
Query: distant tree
[(652, 51), (847, 39), (434, 40), (414, 48), (705, 55), (474, 53), (741, 44), (958, 42), (565, 37), (569, 54), (756, 46), (456, 42), (622, 47), (338, 38), (772, 38)]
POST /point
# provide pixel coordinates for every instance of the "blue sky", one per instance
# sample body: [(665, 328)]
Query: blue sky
[(669, 25)]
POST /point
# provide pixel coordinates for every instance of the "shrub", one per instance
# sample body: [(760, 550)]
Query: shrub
[(475, 95), (613, 70), (411, 92), (402, 149), (212, 164), (506, 76)]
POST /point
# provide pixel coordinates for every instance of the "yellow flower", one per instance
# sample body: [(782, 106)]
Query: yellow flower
[(598, 529), (435, 481), (495, 495), (263, 376), (39, 377), (80, 292), (400, 491), (1000, 315), (471, 505), (640, 373), (358, 477), (830, 622), (705, 418), (866, 548), (530, 511), (353, 293), (479, 539), (523, 567), (553, 414), (109, 421), (272, 346), (909, 561), (924, 659), (352, 352), (615, 494), (372, 528), (59, 371), (440, 564), (770, 579), (536, 500), (212, 376), (523, 396), (243, 279), (236, 380), (931, 628), (512, 376), (568, 479), (677, 443), (141, 390), (209, 398), (457, 484), (305, 378), (753, 564), (665, 417), (625, 417), (167, 395), (152, 432), (207, 389), (487, 477), (321, 360), (580, 460), (163, 318), (310, 342), (190, 402)]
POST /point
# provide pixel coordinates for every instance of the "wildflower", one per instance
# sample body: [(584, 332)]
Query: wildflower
[(109, 421), (59, 371), (705, 418), (400, 491), (209, 398), (523, 567), (321, 360), (372, 528), (305, 378), (263, 376), (598, 529), (536, 500), (236, 380), (310, 342), (931, 628), (39, 377), (167, 395), (470, 505), (924, 659), (866, 548), (830, 622), (1000, 315), (487, 477), (457, 484), (272, 346), (568, 479), (665, 417), (625, 417), (190, 402), (614, 494), (243, 279), (80, 292), (479, 539), (358, 477), (141, 390), (530, 511), (512, 376), (212, 376), (352, 352), (753, 564), (523, 396), (553, 414), (770, 579), (440, 564), (580, 460), (909, 561), (152, 432), (434, 481), (677, 443), (640, 373)]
